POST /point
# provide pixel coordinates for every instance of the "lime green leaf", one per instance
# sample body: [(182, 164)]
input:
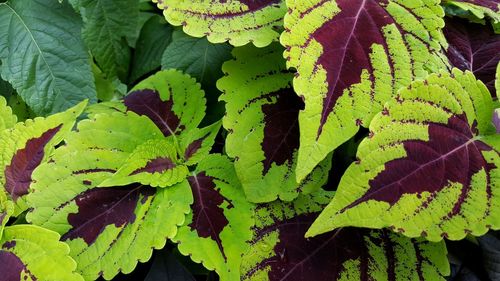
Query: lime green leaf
[(236, 21), (108, 229), (106, 24), (430, 166), (216, 231), (154, 38), (152, 163), (30, 252), (351, 57), (480, 9), (27, 145), (279, 250), (7, 118), (262, 113), (6, 210), (52, 72), (196, 144)]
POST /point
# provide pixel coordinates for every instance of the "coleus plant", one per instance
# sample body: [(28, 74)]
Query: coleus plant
[(251, 195)]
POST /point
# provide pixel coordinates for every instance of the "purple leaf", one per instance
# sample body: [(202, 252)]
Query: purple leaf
[(208, 215), (148, 102), (450, 155), (24, 162), (100, 207), (11, 267), (473, 47), (281, 131), (157, 165)]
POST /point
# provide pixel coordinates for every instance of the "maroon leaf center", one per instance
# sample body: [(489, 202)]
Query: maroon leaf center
[(208, 216), (281, 128), (148, 102), (100, 207), (18, 173), (157, 165), (12, 267)]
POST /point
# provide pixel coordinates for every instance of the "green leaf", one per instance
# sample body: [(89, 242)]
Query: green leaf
[(196, 144), (479, 9), (106, 25), (430, 166), (261, 117), (7, 118), (6, 210), (216, 231), (154, 38), (279, 251), (52, 72), (28, 144), (152, 163), (30, 252), (351, 57), (109, 229), (107, 89), (236, 21), (196, 57)]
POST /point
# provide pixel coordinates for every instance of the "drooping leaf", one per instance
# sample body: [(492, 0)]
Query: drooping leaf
[(279, 250), (430, 166), (154, 38), (262, 113), (106, 25), (30, 252), (7, 118), (109, 229), (479, 8), (236, 21), (152, 163), (26, 145), (196, 57), (216, 230), (351, 56), (52, 72), (473, 47)]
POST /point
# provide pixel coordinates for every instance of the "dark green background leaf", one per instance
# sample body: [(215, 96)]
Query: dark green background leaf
[(43, 56)]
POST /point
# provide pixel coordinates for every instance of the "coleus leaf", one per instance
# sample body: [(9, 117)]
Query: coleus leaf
[(479, 8), (279, 251), (152, 163), (430, 166), (52, 73), (196, 144), (236, 21), (171, 99), (216, 231), (473, 47), (27, 145), (7, 118), (262, 112), (6, 210), (109, 228), (29, 252), (351, 57)]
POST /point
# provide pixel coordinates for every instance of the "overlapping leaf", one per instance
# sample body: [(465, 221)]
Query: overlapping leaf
[(108, 228), (236, 21), (216, 230), (26, 145), (29, 252), (430, 166), (479, 8), (279, 250), (351, 56), (262, 119), (473, 47), (43, 56)]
